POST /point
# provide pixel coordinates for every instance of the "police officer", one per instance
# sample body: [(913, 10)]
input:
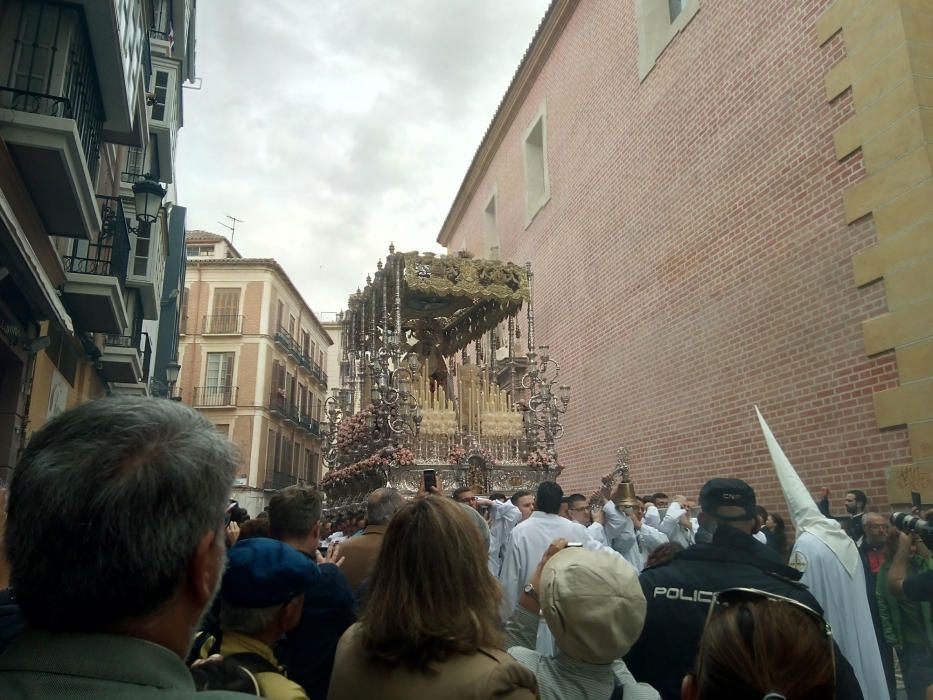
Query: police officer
[(679, 592)]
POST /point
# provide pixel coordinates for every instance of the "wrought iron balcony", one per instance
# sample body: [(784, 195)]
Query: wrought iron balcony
[(126, 358), (110, 256), (62, 85), (279, 405), (222, 324), (288, 343), (215, 396), (279, 480)]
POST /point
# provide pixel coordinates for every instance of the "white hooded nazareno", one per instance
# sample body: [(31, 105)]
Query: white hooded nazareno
[(832, 570)]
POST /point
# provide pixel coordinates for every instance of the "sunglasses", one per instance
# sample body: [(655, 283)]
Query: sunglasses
[(732, 597)]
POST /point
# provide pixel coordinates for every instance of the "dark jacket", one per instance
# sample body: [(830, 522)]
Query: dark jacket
[(679, 593), (308, 650)]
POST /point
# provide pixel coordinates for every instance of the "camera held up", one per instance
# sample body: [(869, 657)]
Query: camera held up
[(913, 524)]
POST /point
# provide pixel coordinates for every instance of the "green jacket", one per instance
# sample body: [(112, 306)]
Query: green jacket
[(889, 608), (77, 666)]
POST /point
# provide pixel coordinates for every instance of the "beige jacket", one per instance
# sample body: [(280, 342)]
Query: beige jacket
[(487, 674), (360, 554)]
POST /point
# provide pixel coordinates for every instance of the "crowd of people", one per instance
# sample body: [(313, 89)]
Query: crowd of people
[(126, 572)]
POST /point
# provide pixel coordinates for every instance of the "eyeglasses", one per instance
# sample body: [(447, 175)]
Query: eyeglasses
[(577, 510), (471, 499), (731, 597)]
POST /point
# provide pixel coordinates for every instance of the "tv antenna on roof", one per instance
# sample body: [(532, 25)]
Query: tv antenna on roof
[(232, 228)]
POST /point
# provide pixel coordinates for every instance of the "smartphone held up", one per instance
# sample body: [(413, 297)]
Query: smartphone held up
[(430, 480)]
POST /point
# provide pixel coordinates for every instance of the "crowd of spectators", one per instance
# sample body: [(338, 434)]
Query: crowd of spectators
[(127, 571)]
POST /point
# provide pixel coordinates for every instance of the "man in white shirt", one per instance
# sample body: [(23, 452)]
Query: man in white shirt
[(629, 534), (578, 510), (504, 515), (530, 539), (677, 523)]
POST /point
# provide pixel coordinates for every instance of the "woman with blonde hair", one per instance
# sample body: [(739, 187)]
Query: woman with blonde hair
[(758, 645), (430, 627)]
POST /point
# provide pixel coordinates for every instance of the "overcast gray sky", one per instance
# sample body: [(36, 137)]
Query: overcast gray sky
[(333, 127)]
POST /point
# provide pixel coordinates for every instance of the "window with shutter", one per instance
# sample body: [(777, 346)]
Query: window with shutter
[(225, 318)]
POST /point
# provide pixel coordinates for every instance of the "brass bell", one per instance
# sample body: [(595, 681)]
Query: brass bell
[(624, 495)]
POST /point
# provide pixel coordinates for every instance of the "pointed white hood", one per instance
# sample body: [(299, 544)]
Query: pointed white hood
[(803, 509)]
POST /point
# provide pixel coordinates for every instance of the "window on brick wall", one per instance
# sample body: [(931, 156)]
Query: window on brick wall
[(537, 183), (491, 228), (659, 21)]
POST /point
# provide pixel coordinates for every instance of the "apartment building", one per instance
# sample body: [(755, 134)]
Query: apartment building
[(733, 199), (90, 107), (253, 355)]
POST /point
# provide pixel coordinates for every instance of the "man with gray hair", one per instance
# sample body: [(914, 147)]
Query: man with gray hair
[(360, 553), (116, 546)]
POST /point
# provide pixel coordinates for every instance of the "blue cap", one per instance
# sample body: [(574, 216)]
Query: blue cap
[(263, 573)]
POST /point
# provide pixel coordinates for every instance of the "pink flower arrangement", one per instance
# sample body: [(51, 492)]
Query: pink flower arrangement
[(353, 432), (538, 458), (404, 457), (371, 466), (455, 455)]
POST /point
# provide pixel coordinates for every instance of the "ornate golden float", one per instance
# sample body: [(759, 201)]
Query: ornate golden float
[(431, 379)]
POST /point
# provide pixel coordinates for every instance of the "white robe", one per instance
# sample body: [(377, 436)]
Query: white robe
[(845, 607), (833, 571), (634, 546), (527, 544), (671, 527), (505, 516)]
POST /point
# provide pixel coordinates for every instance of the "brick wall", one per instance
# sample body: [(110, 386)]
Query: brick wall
[(694, 258), (252, 307)]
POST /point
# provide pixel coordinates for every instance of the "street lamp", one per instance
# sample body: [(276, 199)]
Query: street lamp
[(148, 196), (171, 375)]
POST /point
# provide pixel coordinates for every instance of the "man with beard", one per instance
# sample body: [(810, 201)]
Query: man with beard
[(115, 539), (856, 503), (873, 553)]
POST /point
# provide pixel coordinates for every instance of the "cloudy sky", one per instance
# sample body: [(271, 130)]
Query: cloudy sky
[(334, 127)]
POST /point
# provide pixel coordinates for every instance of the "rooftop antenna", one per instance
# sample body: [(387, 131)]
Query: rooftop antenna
[(232, 228)]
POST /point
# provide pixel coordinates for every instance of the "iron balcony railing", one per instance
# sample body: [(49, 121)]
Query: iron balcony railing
[(58, 80), (279, 480), (110, 256), (285, 339), (209, 396), (281, 406), (229, 324)]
